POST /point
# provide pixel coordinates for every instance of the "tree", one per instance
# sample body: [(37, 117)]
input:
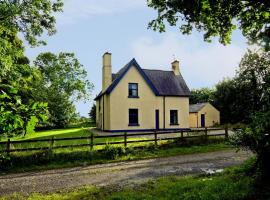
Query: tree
[(92, 113), (216, 18), (201, 95), (18, 115), (62, 81), (30, 17), (254, 76)]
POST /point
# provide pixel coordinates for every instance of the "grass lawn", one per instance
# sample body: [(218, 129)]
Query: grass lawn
[(232, 184)]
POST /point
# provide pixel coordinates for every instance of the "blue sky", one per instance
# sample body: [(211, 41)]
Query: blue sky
[(91, 27)]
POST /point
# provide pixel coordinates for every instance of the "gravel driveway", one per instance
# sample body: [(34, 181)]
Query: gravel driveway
[(120, 173)]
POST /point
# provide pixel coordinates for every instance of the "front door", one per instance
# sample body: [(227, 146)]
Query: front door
[(202, 120), (157, 119)]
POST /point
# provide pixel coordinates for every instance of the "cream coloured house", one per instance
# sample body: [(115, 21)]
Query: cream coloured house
[(136, 99), (203, 115)]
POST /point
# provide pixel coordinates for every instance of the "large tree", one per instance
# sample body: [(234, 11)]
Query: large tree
[(30, 18), (216, 18), (62, 81), (18, 111)]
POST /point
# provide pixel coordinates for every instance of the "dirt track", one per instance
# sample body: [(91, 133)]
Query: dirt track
[(121, 173)]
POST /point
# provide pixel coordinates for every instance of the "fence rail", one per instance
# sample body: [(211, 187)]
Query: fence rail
[(91, 139)]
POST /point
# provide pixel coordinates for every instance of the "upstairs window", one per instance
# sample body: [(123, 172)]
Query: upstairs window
[(173, 117), (133, 117), (133, 90)]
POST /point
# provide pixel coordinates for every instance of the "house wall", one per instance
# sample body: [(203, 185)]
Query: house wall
[(212, 116), (147, 103), (193, 120), (98, 123)]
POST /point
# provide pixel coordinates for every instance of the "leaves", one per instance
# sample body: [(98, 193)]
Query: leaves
[(216, 18), (30, 17), (63, 80)]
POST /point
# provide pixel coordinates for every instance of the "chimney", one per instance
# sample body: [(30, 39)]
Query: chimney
[(106, 71), (175, 67)]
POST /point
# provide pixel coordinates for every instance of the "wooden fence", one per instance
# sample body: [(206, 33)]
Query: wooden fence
[(91, 139)]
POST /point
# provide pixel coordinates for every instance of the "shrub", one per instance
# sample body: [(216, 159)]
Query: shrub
[(112, 152), (5, 162), (256, 138)]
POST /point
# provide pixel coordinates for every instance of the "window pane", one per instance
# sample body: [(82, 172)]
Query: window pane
[(133, 89), (173, 117), (134, 93), (133, 116)]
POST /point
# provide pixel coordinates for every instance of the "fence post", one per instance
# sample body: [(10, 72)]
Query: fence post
[(205, 131), (8, 147), (52, 142), (182, 134), (156, 138), (226, 133), (92, 142), (125, 139)]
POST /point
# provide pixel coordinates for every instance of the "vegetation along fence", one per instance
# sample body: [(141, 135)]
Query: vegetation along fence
[(92, 140)]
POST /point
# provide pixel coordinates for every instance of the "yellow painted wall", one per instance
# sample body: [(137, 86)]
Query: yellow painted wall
[(147, 103), (193, 120), (98, 123), (181, 104), (212, 116)]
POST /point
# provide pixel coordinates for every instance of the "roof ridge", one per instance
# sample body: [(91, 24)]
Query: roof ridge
[(158, 70)]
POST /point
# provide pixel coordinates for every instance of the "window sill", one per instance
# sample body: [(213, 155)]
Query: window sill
[(133, 124), (174, 124), (133, 97)]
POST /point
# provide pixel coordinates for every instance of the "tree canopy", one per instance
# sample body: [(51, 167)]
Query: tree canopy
[(216, 18), (30, 17), (62, 81)]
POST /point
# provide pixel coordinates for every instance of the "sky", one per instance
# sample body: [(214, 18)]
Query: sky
[(89, 28)]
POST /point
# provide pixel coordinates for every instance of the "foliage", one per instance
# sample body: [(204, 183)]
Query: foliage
[(62, 81), (201, 95), (16, 117), (215, 18), (240, 97), (113, 152), (5, 162), (254, 77), (30, 17), (256, 138), (92, 113), (17, 109)]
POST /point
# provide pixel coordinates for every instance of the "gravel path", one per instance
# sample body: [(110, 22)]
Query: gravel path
[(120, 173)]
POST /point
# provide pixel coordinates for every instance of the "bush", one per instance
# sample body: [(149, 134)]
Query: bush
[(5, 162), (113, 152), (256, 138)]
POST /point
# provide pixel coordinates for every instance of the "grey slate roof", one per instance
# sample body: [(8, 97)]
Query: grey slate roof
[(193, 108), (164, 82), (167, 83)]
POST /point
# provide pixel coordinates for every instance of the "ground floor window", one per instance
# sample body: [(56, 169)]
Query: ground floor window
[(133, 117), (173, 117)]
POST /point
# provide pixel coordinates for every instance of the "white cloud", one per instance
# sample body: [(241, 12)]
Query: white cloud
[(75, 10), (202, 64)]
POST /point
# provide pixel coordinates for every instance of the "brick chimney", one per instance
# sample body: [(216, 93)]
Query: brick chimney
[(175, 67), (106, 71)]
